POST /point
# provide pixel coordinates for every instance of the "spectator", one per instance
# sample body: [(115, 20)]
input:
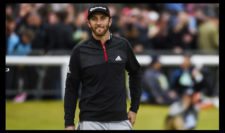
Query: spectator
[(24, 10), (138, 48), (183, 38), (183, 114), (159, 35), (35, 23), (115, 17), (187, 77), (80, 30), (52, 18), (142, 26), (156, 84), (26, 75), (209, 32), (127, 24), (70, 9), (59, 38), (173, 9), (12, 39), (9, 10), (11, 36), (59, 34), (24, 47)]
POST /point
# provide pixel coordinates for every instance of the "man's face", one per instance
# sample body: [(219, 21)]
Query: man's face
[(99, 23), (186, 62)]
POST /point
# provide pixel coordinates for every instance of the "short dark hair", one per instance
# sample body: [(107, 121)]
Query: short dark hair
[(9, 19), (61, 15), (155, 59), (27, 32)]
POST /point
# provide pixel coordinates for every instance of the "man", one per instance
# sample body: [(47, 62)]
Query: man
[(99, 63)]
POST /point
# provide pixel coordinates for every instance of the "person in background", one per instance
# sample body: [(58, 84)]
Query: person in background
[(11, 36), (208, 39), (183, 114), (59, 41), (24, 47), (12, 39), (186, 77), (156, 84), (37, 25), (138, 48), (80, 30), (59, 34)]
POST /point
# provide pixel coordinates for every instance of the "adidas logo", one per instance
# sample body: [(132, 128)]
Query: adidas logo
[(118, 58)]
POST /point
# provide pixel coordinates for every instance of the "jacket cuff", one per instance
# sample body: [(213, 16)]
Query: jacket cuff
[(69, 123)]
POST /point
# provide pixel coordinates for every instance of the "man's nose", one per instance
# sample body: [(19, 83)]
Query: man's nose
[(98, 21)]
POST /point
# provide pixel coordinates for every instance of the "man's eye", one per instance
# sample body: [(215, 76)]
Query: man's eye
[(93, 18), (103, 17)]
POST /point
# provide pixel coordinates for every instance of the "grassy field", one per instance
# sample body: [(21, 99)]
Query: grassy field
[(48, 115)]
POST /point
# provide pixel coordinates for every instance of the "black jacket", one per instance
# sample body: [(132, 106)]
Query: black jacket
[(101, 70)]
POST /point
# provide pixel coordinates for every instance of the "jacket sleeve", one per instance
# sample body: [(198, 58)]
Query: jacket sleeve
[(72, 87), (134, 72)]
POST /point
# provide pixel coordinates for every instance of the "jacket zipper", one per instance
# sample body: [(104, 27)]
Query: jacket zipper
[(105, 53)]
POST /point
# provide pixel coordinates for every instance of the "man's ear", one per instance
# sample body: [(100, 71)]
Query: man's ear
[(110, 21), (88, 23)]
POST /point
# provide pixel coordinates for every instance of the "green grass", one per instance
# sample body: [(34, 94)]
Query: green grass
[(48, 115)]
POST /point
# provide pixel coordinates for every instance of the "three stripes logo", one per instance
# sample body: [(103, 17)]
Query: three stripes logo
[(6, 69), (118, 58)]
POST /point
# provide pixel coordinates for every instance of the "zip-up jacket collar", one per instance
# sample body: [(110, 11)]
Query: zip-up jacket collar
[(99, 42)]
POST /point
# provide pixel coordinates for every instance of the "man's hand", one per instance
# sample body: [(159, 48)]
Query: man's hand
[(132, 117), (70, 128)]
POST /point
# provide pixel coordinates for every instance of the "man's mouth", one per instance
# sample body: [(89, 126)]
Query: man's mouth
[(99, 28)]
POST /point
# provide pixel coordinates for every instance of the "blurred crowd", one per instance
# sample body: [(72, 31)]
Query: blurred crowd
[(57, 27), (187, 89), (163, 86)]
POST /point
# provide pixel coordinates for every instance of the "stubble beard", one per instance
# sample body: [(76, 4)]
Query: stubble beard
[(105, 29)]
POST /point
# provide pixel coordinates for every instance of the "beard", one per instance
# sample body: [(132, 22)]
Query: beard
[(100, 30)]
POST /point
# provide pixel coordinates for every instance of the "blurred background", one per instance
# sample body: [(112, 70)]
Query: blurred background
[(176, 44)]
